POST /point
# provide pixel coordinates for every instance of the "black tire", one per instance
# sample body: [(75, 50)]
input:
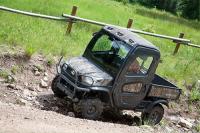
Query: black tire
[(154, 116), (89, 108), (55, 89)]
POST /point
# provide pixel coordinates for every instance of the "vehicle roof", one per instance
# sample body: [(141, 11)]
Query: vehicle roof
[(129, 37)]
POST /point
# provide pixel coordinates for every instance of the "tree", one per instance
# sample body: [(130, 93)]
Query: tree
[(190, 9), (167, 5)]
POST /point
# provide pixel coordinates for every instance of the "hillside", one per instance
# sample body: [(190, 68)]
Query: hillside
[(38, 36)]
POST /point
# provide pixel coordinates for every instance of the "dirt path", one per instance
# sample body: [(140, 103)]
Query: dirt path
[(18, 119)]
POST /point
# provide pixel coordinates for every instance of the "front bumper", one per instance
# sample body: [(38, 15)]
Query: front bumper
[(68, 84)]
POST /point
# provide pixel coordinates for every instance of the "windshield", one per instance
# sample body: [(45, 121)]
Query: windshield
[(109, 52)]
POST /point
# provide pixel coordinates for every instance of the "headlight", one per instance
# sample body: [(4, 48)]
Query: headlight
[(87, 80)]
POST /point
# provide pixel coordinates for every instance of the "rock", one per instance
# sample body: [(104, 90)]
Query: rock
[(26, 93), (12, 86), (31, 88), (34, 93), (178, 126), (55, 98), (173, 119), (2, 80), (147, 127), (21, 101), (35, 69), (45, 74), (197, 122), (187, 93), (185, 129), (40, 59), (171, 124), (10, 79), (184, 123), (37, 103), (180, 121), (26, 118), (11, 104), (168, 130), (55, 108), (26, 84), (198, 84), (43, 84), (39, 89), (38, 68), (37, 73), (45, 79), (71, 114), (191, 120), (19, 87), (28, 98)]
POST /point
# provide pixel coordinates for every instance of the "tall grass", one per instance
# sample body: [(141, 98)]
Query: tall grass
[(48, 37)]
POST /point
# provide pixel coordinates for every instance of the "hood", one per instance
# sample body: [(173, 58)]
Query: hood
[(83, 66)]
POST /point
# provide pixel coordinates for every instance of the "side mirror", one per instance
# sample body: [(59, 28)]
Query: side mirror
[(94, 33)]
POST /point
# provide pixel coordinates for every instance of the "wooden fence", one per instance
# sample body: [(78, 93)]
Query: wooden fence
[(70, 19)]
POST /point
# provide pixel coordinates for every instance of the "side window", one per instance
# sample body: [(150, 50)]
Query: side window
[(140, 65), (132, 88)]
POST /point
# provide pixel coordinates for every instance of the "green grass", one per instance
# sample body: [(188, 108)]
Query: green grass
[(195, 95), (4, 74), (48, 37)]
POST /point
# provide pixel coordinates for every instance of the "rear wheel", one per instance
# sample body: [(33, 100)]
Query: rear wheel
[(154, 116), (89, 108), (55, 89)]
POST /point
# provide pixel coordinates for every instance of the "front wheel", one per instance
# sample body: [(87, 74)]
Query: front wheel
[(154, 116), (57, 92), (89, 108)]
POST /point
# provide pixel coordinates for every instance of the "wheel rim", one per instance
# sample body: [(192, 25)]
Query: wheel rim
[(154, 116), (91, 110)]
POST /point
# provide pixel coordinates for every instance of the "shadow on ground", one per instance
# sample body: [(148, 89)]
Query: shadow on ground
[(50, 103)]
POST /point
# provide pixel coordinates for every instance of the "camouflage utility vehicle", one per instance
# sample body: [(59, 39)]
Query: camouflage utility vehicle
[(116, 72)]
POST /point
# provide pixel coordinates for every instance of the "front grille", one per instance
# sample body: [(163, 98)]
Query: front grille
[(68, 70), (71, 74), (67, 85)]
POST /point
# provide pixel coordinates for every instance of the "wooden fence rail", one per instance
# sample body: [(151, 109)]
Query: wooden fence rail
[(175, 39)]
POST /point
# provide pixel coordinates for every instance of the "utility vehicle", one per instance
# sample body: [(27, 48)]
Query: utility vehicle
[(116, 72)]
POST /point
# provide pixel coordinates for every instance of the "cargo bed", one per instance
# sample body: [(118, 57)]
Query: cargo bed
[(162, 88)]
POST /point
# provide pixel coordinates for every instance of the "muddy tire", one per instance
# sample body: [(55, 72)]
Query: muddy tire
[(55, 89), (89, 108), (154, 116)]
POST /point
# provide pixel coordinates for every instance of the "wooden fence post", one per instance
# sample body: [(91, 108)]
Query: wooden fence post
[(73, 13), (181, 35), (130, 21)]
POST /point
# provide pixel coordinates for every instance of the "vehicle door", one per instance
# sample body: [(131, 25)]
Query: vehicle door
[(134, 80)]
